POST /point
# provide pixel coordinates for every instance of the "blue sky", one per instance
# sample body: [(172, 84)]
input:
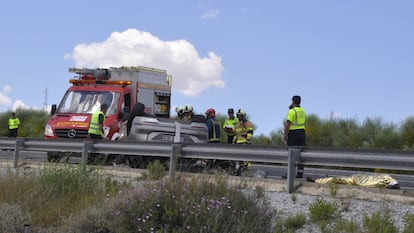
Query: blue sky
[(350, 59)]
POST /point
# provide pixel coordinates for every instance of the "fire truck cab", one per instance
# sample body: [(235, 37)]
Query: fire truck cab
[(120, 88)]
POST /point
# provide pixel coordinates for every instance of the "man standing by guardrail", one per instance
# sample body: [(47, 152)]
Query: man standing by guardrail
[(14, 124), (294, 132)]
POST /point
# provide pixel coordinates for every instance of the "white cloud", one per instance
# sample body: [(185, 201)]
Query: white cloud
[(191, 73), (210, 14), (4, 99), (19, 104)]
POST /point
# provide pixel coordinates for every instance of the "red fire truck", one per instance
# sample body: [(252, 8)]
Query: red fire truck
[(120, 88)]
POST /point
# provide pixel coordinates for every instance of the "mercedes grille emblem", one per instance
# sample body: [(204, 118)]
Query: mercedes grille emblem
[(72, 133)]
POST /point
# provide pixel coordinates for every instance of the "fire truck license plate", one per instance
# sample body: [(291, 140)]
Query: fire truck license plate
[(170, 138)]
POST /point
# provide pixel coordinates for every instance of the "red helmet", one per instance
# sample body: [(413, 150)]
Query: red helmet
[(211, 112)]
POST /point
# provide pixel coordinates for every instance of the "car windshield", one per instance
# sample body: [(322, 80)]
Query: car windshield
[(89, 102)]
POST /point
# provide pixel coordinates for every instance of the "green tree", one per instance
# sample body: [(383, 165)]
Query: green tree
[(407, 132)]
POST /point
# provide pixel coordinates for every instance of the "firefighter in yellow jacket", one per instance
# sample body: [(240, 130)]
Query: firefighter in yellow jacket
[(243, 129), (243, 135)]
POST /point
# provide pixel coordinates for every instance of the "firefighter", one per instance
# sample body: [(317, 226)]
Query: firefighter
[(243, 129), (188, 112), (229, 125), (294, 131), (243, 135), (14, 124), (213, 126), (97, 121), (180, 112)]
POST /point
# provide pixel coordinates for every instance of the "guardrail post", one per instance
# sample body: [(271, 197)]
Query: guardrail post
[(175, 150), (175, 154), (293, 156), (87, 146), (19, 143)]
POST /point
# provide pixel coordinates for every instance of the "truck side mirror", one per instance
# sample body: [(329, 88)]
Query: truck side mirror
[(53, 109)]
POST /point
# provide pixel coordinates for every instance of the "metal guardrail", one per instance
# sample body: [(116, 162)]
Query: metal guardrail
[(382, 159)]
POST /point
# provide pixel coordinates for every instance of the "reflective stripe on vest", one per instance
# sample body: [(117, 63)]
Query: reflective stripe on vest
[(94, 125), (243, 134), (215, 136)]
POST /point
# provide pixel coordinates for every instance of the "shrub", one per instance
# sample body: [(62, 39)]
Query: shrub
[(343, 226), (408, 223), (156, 170), (293, 223), (378, 223), (62, 191), (198, 205), (322, 210)]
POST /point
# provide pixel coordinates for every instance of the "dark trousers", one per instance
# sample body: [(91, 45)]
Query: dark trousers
[(12, 133), (94, 158), (297, 138), (230, 139)]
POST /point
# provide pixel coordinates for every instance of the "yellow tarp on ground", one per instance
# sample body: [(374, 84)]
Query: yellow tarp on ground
[(381, 180)]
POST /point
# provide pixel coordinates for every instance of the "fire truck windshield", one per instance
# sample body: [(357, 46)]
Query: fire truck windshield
[(88, 102)]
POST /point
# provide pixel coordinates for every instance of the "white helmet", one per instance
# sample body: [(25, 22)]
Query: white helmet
[(179, 110), (188, 108), (241, 112)]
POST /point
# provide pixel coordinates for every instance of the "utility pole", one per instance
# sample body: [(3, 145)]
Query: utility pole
[(45, 100)]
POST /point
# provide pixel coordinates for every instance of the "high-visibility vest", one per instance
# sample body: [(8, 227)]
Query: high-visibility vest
[(297, 118), (14, 123), (230, 123), (94, 127)]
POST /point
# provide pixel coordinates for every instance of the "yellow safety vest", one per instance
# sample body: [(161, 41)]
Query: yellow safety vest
[(297, 118), (230, 123), (94, 125), (14, 123)]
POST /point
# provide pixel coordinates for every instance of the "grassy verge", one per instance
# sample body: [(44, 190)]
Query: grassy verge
[(65, 199)]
